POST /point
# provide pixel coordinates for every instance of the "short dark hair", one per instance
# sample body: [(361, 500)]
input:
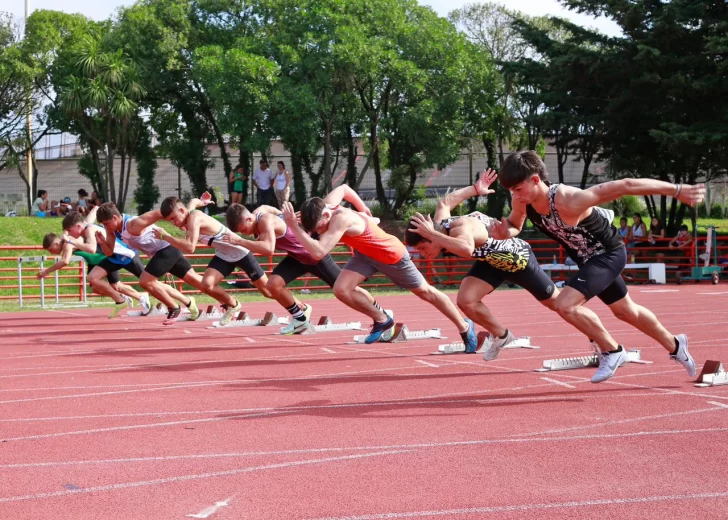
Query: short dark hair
[(519, 166), (106, 211), (49, 239), (684, 227), (72, 219), (311, 212), (235, 215), (282, 164), (239, 166), (637, 215), (412, 238), (168, 206), (623, 219), (41, 193), (82, 193)]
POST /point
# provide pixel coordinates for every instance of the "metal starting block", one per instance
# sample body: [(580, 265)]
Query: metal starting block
[(549, 365), (158, 310), (326, 324), (483, 337), (402, 333), (211, 313), (713, 374), (243, 320)]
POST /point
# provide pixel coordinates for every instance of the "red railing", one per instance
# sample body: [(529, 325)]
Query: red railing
[(443, 270)]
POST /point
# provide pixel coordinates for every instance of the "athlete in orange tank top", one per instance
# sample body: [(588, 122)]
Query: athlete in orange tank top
[(376, 243)]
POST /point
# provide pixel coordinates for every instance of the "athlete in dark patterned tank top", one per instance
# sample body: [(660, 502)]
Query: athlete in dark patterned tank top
[(571, 216)]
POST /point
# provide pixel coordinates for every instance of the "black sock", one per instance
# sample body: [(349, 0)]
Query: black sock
[(618, 349), (120, 303), (376, 304), (296, 312), (677, 346), (189, 302), (504, 335)]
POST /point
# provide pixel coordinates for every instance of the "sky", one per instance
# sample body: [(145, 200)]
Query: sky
[(100, 9)]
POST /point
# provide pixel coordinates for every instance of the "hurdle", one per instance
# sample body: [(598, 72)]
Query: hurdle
[(484, 338), (713, 374), (56, 285), (551, 365)]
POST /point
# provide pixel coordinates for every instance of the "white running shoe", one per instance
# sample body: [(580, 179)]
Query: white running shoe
[(298, 326), (682, 355), (144, 302), (608, 364), (493, 346), (230, 313)]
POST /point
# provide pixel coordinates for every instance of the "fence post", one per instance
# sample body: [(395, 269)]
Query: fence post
[(42, 285), (83, 275), (20, 281)]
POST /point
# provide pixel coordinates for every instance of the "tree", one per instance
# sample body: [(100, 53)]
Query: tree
[(146, 194)]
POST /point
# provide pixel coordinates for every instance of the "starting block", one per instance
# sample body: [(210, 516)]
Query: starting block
[(211, 313), (550, 365), (158, 310), (483, 338), (713, 374), (402, 333), (326, 324), (243, 320)]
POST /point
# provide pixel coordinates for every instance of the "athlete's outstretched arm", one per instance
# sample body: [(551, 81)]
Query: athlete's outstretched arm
[(576, 201), (63, 261), (344, 192), (459, 242), (89, 246), (138, 224), (510, 226), (108, 243), (91, 215), (326, 242), (266, 243), (187, 244), (452, 200)]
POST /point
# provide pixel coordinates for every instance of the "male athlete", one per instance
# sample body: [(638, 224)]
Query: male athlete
[(497, 261), (266, 224), (164, 259), (202, 228), (375, 251), (85, 237), (571, 217), (60, 246)]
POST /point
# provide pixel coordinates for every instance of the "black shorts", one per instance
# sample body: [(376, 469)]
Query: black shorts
[(532, 278), (168, 260), (113, 278), (248, 264), (326, 270), (136, 267), (601, 276)]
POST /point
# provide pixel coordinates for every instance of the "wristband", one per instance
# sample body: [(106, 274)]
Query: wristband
[(677, 191), (476, 190)]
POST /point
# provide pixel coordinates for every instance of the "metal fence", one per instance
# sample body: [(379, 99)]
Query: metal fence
[(60, 178)]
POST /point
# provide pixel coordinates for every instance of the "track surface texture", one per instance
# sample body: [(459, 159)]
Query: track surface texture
[(127, 418)]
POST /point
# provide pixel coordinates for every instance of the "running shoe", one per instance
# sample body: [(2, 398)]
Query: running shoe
[(609, 362), (298, 326), (172, 316), (194, 311), (470, 339), (145, 303), (682, 355), (492, 348), (381, 331), (120, 307), (230, 313)]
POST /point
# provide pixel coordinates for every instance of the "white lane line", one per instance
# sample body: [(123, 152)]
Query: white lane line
[(428, 364), (533, 507), (328, 350), (722, 405), (557, 382), (183, 478)]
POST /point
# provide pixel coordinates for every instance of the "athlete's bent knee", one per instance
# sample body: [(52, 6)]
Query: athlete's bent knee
[(207, 284)]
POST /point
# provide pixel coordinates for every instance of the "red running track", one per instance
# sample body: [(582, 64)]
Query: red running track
[(129, 419)]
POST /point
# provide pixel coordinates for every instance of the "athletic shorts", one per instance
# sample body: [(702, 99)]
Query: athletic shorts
[(168, 260), (290, 269), (136, 267), (113, 278), (601, 276), (532, 278), (248, 264), (404, 274)]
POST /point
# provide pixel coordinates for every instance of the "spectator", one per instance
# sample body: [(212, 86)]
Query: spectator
[(40, 207), (63, 207), (638, 233), (262, 181), (96, 200), (282, 184), (82, 204), (623, 229), (656, 230), (240, 185), (682, 242)]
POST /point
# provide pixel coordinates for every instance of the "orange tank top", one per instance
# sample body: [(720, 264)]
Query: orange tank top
[(376, 243)]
